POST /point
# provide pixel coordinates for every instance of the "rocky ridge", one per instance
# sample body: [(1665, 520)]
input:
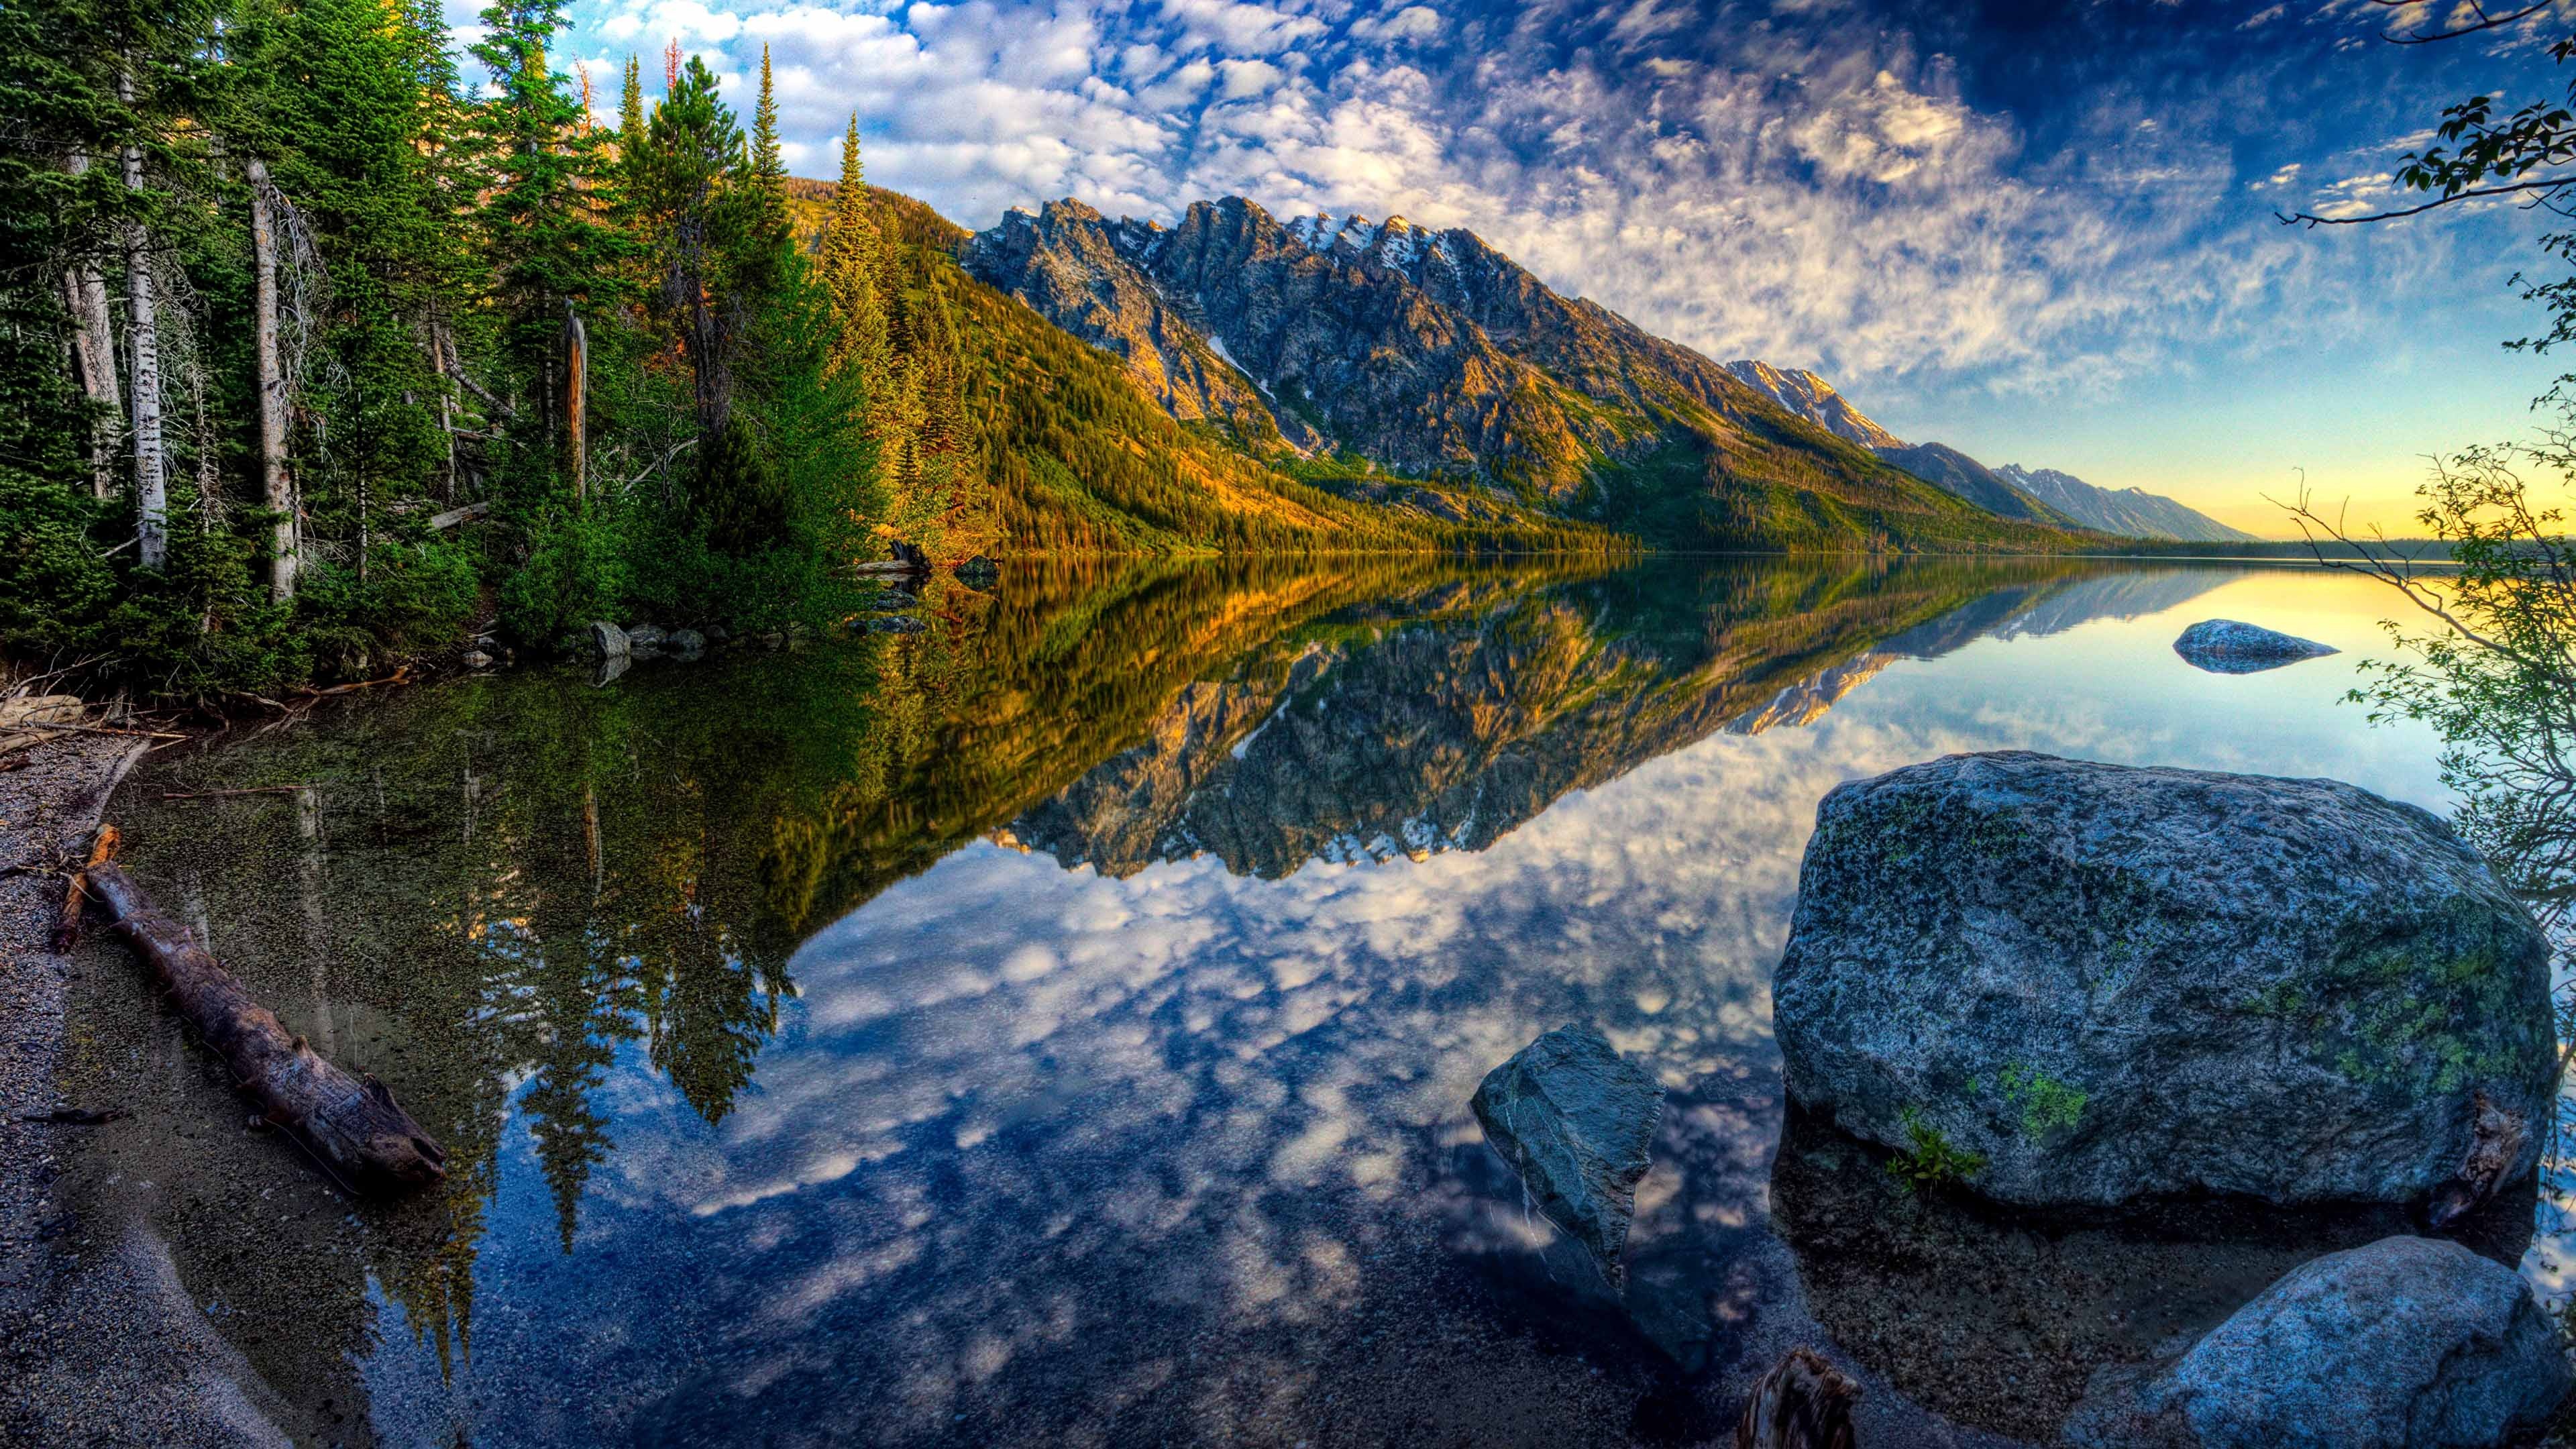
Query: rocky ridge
[(1384, 344), (1813, 398)]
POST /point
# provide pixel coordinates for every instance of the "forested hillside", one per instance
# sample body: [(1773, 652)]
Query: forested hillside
[(321, 350)]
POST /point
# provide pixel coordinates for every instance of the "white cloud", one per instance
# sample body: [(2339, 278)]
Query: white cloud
[(1758, 181)]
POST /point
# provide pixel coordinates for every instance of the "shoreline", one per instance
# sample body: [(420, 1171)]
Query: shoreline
[(102, 1343)]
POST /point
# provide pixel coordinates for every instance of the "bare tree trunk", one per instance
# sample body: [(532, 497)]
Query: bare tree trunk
[(94, 344), (143, 344), (446, 400), (275, 490), (577, 398)]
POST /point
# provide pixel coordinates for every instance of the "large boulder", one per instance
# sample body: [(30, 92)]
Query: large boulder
[(2408, 1343), (2228, 646), (1575, 1120), (2081, 984)]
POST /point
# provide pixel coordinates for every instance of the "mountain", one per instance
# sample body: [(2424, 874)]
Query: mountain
[(1382, 347), (1079, 458), (2130, 512), (1813, 398), (1941, 464), (2011, 491)]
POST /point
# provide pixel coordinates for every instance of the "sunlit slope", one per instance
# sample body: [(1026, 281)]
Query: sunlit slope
[(1079, 459)]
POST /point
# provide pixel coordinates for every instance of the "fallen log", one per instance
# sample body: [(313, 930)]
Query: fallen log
[(352, 1125)]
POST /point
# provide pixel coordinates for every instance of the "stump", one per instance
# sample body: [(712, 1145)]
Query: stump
[(353, 1125), (1803, 1403)]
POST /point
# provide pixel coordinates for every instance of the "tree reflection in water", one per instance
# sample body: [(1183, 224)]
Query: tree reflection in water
[(523, 898)]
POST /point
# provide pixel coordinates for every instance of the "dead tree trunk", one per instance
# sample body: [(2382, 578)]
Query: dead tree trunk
[(275, 492), (143, 345), (94, 345), (353, 1125), (446, 401), (577, 399)]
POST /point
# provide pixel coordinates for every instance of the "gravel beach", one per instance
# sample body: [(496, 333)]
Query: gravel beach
[(101, 1345)]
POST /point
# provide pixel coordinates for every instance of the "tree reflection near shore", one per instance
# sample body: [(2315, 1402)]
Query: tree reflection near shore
[(1141, 929)]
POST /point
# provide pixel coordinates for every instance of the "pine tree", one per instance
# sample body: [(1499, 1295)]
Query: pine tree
[(630, 110), (850, 248), (768, 172)]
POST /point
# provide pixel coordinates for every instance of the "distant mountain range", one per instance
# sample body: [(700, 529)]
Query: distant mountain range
[(2011, 491), (1378, 362)]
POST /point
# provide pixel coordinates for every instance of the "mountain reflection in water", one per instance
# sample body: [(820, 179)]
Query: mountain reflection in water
[(1057, 1026)]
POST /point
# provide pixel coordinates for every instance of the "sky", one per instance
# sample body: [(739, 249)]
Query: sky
[(2044, 234)]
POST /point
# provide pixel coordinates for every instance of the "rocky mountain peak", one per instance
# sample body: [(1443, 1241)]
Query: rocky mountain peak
[(1813, 398)]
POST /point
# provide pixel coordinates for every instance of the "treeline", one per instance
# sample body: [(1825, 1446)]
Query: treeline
[(316, 351)]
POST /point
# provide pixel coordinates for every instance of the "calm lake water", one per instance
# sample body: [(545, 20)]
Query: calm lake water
[(1058, 1027)]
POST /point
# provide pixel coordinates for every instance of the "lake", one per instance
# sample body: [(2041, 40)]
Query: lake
[(1057, 1027)]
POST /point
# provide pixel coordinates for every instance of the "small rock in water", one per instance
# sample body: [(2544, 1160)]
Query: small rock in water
[(608, 641), (1575, 1120), (477, 659), (979, 572), (718, 633), (645, 638), (2406, 1342), (2073, 984), (687, 642), (2225, 646)]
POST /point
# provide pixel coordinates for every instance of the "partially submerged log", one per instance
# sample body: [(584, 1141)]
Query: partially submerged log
[(352, 1125), (1803, 1403)]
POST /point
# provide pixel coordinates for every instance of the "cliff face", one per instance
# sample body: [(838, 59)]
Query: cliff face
[(1063, 263)]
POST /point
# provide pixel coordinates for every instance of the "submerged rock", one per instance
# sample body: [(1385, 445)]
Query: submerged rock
[(687, 642), (2069, 983), (2406, 1342), (1575, 1120), (2225, 646), (1999, 1317), (608, 641), (891, 624)]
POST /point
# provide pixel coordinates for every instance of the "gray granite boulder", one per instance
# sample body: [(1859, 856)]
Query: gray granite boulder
[(2225, 646), (2082, 984), (2408, 1343), (1575, 1120), (608, 641)]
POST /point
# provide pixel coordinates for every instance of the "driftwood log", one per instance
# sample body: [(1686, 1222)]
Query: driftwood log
[(352, 1125), (1803, 1403)]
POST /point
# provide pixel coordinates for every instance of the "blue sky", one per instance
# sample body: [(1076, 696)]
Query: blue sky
[(2040, 233)]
